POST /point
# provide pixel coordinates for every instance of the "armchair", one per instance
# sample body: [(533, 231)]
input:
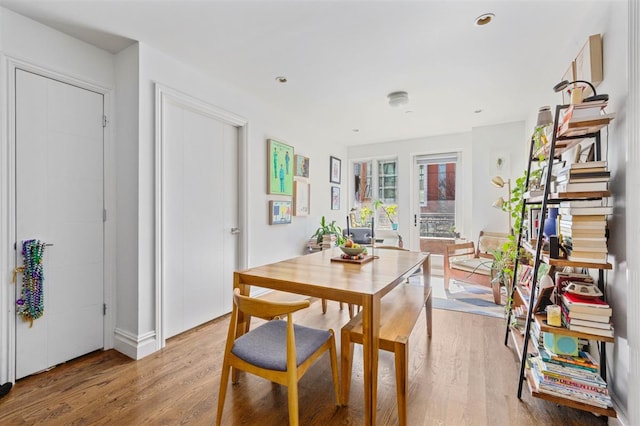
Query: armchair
[(467, 263)]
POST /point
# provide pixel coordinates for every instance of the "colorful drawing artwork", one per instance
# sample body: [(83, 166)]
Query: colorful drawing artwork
[(279, 212), (302, 166), (335, 198), (301, 198), (280, 166)]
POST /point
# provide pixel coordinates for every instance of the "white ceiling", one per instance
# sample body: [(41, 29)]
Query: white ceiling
[(342, 58)]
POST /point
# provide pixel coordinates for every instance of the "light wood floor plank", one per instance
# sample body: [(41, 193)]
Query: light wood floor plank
[(463, 375)]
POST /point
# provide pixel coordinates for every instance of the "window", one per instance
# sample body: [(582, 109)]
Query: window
[(373, 186)]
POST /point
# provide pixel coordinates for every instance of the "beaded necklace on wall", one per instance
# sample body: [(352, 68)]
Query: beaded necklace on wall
[(31, 303)]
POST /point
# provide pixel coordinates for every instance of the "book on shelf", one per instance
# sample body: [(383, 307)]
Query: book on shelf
[(579, 126), (591, 330), (580, 203), (588, 173), (605, 319), (581, 187), (586, 179), (573, 219), (588, 306), (582, 360), (591, 324), (592, 395), (571, 376), (580, 245), (595, 321), (600, 259), (585, 211), (590, 233), (589, 165)]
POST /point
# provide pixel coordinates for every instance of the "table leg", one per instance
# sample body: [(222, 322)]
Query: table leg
[(370, 346), (426, 279)]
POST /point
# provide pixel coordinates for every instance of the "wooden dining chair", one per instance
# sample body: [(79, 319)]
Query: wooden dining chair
[(278, 350)]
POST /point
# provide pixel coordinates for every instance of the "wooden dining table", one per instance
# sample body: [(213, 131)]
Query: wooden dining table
[(321, 275)]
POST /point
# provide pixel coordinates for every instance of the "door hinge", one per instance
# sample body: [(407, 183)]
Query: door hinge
[(104, 309), (104, 121), (104, 215)]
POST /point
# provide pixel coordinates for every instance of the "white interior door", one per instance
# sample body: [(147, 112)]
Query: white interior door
[(200, 208), (59, 200)]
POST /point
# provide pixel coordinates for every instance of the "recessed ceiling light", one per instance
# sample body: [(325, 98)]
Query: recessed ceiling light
[(484, 19), (281, 79), (355, 130)]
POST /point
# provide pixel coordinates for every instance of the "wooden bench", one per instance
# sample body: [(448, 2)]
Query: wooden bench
[(399, 311)]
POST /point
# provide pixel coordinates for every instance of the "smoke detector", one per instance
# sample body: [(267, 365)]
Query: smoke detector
[(398, 99)]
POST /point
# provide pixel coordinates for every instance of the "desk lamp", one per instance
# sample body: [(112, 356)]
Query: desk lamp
[(498, 182), (565, 83)]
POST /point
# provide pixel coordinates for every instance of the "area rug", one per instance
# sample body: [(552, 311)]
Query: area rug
[(463, 297)]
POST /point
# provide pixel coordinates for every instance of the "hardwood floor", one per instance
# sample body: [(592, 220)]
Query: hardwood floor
[(463, 375)]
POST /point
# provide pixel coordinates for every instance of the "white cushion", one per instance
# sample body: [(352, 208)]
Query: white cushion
[(476, 265)]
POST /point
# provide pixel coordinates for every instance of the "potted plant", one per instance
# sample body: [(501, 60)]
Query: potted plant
[(390, 210), (329, 228)]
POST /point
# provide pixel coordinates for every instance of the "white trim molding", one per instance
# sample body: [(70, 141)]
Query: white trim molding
[(164, 94), (631, 212), (135, 347)]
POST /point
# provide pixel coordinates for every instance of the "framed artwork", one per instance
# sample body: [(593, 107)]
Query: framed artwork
[(335, 169), (589, 63), (279, 212), (335, 198), (280, 167), (301, 198), (301, 166)]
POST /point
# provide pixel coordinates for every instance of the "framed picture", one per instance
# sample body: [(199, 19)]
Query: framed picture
[(544, 299), (589, 63), (279, 212), (301, 198), (301, 166), (335, 198), (335, 169), (280, 167)]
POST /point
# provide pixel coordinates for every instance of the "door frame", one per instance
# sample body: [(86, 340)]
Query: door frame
[(8, 258), (414, 199), (165, 94)]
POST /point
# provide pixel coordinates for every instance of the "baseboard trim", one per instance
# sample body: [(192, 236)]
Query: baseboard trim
[(133, 346)]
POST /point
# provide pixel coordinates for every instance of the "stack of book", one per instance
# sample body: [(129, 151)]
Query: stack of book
[(583, 177), (328, 241), (580, 118), (591, 316), (571, 377), (313, 245), (583, 228)]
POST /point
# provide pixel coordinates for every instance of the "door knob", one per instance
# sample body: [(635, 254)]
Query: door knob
[(235, 231)]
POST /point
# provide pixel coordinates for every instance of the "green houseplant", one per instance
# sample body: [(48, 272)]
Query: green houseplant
[(328, 228), (390, 210)]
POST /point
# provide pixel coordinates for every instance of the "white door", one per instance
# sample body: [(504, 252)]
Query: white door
[(200, 209), (59, 200)]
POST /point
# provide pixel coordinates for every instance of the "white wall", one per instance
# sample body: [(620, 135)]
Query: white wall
[(25, 41), (126, 212), (476, 195)]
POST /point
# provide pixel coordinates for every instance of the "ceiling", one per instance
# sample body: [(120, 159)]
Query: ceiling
[(341, 58)]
